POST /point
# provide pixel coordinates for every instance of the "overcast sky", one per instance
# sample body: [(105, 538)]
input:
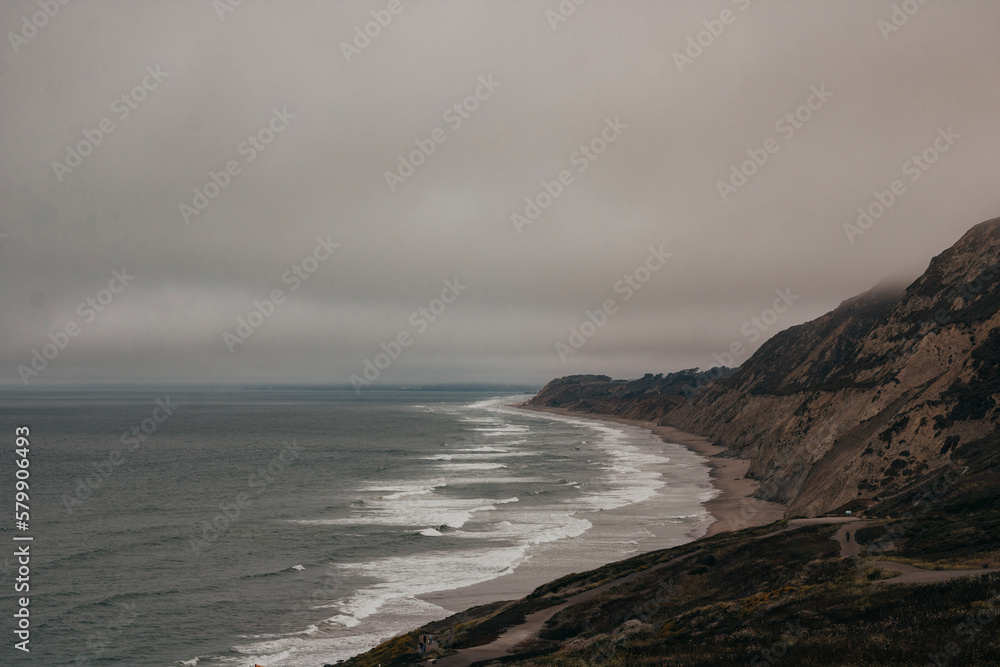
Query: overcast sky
[(675, 117)]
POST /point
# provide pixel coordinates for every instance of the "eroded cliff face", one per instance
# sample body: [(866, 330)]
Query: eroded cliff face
[(856, 404)]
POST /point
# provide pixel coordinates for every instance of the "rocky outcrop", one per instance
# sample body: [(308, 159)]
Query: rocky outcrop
[(857, 404)]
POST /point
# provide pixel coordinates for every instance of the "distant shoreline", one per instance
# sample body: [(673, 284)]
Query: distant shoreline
[(734, 508)]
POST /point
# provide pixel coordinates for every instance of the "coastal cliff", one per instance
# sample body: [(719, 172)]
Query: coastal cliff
[(857, 404), (890, 398)]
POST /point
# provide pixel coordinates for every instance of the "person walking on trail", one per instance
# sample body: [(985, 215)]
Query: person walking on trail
[(848, 536)]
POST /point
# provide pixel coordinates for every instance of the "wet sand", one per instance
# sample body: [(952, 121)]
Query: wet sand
[(733, 508)]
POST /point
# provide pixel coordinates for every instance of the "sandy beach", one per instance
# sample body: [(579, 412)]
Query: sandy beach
[(734, 508)]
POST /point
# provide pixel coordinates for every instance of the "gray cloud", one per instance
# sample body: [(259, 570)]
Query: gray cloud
[(324, 175)]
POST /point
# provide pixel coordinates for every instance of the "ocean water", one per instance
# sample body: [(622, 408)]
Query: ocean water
[(293, 528)]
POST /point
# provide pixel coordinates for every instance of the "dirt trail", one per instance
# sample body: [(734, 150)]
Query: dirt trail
[(916, 575), (849, 547), (908, 573), (533, 622), (502, 645)]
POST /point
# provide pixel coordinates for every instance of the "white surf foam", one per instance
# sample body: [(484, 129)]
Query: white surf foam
[(408, 576), (405, 489), (626, 474), (486, 455), (505, 429), (471, 466), (465, 481), (531, 528)]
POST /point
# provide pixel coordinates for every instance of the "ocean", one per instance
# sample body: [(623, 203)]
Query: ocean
[(294, 528)]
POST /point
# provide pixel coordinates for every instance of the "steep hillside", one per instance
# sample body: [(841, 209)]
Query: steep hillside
[(859, 403)]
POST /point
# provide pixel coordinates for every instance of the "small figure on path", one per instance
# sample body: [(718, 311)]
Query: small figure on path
[(848, 536)]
